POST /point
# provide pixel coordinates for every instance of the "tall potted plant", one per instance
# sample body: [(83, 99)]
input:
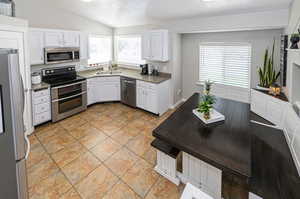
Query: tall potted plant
[(267, 73)]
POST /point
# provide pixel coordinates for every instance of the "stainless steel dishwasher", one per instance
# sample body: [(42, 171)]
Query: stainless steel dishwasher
[(128, 91)]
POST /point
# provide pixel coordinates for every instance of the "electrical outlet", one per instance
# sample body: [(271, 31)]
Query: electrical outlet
[(179, 92)]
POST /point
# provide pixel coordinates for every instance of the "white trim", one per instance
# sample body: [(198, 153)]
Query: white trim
[(177, 103), (176, 180)]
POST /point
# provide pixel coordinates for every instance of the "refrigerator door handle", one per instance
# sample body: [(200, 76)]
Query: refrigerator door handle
[(23, 95)]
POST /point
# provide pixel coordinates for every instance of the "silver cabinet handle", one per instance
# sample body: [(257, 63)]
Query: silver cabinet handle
[(68, 97)]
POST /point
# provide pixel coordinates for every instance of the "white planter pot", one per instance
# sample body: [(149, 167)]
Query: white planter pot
[(262, 88)]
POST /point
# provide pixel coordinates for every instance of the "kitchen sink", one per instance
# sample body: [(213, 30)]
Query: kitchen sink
[(108, 72)]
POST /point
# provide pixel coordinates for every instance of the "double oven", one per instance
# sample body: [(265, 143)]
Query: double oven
[(68, 92)]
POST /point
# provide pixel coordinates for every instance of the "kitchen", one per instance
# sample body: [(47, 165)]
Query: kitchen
[(108, 102)]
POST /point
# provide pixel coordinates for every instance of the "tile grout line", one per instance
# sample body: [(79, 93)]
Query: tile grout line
[(60, 172)]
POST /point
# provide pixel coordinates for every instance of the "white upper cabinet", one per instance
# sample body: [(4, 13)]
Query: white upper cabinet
[(43, 38), (36, 41), (84, 46), (155, 45), (146, 46), (71, 39), (54, 39)]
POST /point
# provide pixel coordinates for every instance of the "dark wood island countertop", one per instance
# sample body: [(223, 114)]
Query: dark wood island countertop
[(258, 153)]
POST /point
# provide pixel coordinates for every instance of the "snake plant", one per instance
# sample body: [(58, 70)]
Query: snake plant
[(267, 73)]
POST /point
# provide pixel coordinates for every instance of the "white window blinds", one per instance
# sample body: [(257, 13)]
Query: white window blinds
[(227, 64)]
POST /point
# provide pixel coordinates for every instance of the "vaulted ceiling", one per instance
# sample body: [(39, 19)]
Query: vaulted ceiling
[(119, 13)]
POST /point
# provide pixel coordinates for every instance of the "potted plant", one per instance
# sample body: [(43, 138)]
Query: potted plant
[(267, 73), (206, 105), (207, 86), (295, 38)]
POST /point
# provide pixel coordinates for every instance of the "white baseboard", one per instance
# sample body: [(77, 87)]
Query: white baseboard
[(177, 103), (175, 180)]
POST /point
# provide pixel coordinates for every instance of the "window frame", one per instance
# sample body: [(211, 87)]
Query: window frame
[(199, 82), (116, 44), (111, 47)]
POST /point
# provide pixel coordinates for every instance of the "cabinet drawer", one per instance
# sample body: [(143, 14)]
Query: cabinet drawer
[(41, 108), (147, 85), (42, 117), (107, 79), (41, 100), (41, 93)]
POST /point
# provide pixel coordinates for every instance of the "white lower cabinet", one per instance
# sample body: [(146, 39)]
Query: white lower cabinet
[(153, 97), (268, 107), (103, 89), (41, 105), (202, 175), (166, 166)]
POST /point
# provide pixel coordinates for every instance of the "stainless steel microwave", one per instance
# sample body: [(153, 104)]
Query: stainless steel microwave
[(61, 55)]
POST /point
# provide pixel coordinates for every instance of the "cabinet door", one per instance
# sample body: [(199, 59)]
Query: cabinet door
[(90, 92), (139, 98), (36, 46), (151, 101), (156, 45), (110, 92), (274, 111), (53, 39), (84, 46), (71, 39), (146, 46)]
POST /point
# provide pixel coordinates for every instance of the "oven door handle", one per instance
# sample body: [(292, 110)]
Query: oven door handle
[(64, 86), (53, 101)]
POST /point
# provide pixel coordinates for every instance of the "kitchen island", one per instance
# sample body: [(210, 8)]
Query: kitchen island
[(232, 155)]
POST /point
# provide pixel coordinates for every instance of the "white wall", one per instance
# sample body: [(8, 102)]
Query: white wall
[(249, 21), (294, 20), (42, 14), (259, 39)]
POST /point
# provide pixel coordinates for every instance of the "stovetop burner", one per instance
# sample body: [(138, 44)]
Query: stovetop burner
[(61, 76)]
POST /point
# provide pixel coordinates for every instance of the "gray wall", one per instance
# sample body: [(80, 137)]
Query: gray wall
[(260, 40)]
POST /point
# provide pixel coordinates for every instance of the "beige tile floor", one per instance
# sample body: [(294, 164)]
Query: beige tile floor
[(103, 152)]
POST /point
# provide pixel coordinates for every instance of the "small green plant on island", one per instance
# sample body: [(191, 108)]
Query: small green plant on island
[(207, 101)]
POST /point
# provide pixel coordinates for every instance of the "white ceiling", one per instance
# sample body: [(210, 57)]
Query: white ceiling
[(119, 13)]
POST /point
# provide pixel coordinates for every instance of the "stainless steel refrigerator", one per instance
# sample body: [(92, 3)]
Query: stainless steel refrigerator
[(14, 145)]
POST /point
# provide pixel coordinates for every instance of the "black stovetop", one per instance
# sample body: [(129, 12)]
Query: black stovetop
[(61, 76)]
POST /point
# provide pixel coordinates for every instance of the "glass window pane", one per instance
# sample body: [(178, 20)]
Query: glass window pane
[(129, 50), (100, 49)]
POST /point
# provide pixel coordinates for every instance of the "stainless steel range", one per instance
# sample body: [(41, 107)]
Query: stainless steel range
[(68, 91)]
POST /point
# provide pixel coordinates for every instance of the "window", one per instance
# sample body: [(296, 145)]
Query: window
[(227, 64), (100, 49), (129, 49)]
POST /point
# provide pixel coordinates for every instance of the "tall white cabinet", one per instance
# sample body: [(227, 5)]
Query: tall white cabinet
[(14, 34), (36, 41), (155, 45)]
